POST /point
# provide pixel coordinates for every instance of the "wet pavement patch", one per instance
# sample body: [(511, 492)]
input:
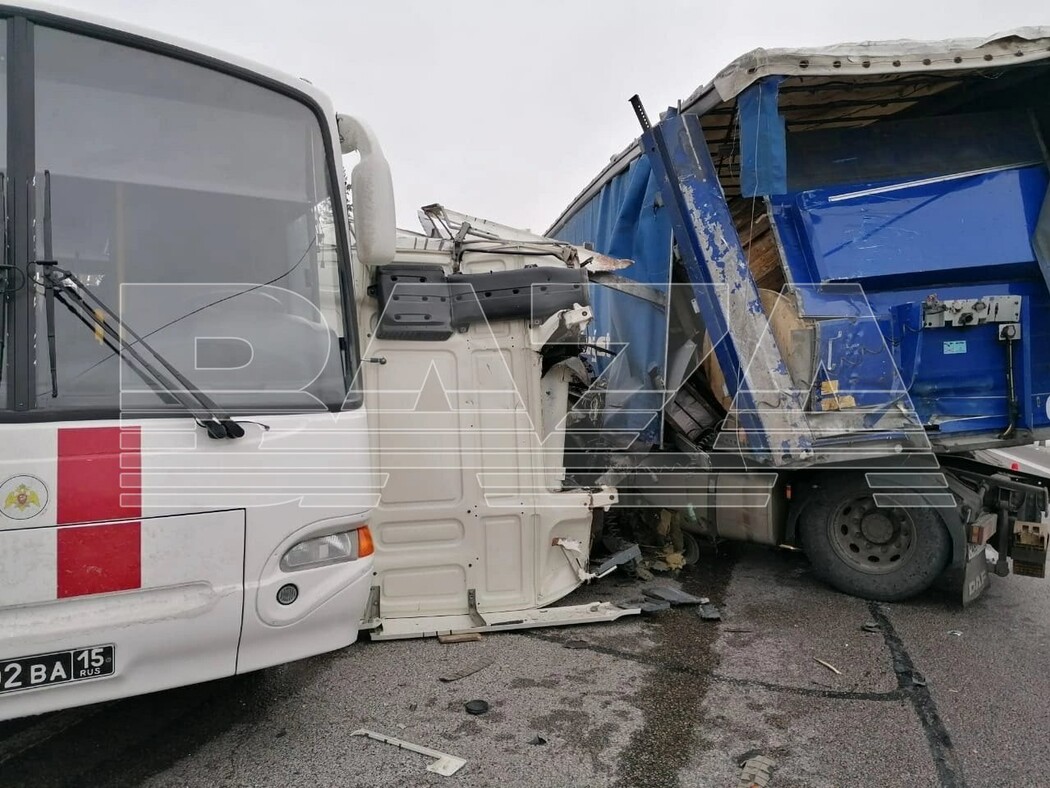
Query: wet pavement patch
[(669, 700)]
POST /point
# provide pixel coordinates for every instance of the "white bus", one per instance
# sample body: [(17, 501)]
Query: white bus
[(185, 477)]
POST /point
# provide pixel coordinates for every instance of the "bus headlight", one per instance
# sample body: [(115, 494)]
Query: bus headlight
[(328, 549)]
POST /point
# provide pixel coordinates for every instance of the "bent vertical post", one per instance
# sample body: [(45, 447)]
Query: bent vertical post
[(770, 412)]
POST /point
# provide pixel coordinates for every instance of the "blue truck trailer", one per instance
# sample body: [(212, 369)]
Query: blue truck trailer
[(839, 290)]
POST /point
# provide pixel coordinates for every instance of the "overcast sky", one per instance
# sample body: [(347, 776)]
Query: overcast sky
[(507, 109)]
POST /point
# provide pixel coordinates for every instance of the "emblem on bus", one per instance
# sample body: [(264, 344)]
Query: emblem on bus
[(22, 497)]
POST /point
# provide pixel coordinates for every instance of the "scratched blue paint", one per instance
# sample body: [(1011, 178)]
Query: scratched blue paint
[(707, 241)]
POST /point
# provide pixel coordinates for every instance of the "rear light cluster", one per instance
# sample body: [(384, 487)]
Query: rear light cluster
[(329, 549)]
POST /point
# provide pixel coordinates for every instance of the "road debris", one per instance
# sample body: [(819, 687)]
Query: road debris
[(468, 671), (628, 554), (756, 772), (670, 560), (670, 594), (707, 611), (643, 574), (829, 666), (955, 633), (537, 740), (446, 765), (871, 626), (476, 707), (644, 604), (575, 643), (460, 637)]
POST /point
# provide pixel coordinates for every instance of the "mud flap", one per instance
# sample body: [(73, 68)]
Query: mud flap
[(970, 580)]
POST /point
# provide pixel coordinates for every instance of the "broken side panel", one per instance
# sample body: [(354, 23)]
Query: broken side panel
[(466, 405), (760, 368), (871, 227), (629, 332), (769, 411)]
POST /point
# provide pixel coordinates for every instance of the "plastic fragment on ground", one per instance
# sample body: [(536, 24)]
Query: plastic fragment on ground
[(707, 611), (644, 604), (756, 771), (446, 765), (673, 595)]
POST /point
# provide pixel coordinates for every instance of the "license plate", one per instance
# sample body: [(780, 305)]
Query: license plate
[(58, 667)]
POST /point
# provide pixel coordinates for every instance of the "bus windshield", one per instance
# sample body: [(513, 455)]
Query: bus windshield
[(200, 207)]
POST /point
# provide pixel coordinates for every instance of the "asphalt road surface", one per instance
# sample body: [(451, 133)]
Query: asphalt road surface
[(936, 695)]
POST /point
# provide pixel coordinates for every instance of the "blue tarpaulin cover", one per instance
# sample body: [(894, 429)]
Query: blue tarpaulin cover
[(627, 220)]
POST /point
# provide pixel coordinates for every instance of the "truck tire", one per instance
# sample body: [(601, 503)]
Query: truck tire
[(885, 554)]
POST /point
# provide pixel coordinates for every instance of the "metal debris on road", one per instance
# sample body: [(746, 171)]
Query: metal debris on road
[(476, 707), (460, 637), (673, 595), (468, 671), (913, 677), (955, 633), (707, 611), (629, 554), (644, 604), (829, 666), (446, 765), (871, 626), (756, 771)]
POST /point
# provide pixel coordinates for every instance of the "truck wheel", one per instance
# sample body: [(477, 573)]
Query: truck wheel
[(881, 553)]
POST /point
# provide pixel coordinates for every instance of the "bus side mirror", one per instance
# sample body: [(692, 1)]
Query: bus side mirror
[(375, 223)]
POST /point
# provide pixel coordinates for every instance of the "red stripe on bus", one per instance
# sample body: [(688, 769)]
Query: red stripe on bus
[(99, 478), (99, 474), (95, 559)]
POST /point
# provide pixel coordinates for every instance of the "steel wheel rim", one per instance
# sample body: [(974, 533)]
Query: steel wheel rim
[(871, 539)]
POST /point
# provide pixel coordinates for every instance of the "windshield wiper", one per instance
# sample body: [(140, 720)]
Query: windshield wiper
[(87, 307)]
